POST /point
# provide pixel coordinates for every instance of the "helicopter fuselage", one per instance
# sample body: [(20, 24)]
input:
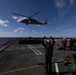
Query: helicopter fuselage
[(30, 21)]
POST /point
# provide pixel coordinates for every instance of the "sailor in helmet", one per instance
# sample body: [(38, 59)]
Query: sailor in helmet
[(48, 49)]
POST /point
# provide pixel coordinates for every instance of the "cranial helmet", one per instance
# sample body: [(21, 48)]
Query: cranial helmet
[(48, 41), (64, 38)]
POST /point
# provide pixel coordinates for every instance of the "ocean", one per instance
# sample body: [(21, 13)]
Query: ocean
[(4, 41)]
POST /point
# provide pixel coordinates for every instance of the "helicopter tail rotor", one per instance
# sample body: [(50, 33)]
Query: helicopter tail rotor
[(46, 22)]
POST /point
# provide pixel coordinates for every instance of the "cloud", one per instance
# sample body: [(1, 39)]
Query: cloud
[(74, 17), (14, 17), (60, 4), (63, 12), (19, 30), (34, 31), (71, 1), (4, 23), (63, 6), (16, 30)]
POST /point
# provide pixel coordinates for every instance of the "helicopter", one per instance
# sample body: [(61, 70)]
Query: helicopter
[(29, 20)]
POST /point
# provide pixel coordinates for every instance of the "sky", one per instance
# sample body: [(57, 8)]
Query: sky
[(61, 15)]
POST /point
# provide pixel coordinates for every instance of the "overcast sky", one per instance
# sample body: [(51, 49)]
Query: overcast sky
[(61, 15)]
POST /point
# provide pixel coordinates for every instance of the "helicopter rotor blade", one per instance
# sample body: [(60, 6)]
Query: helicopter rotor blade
[(19, 15), (35, 13)]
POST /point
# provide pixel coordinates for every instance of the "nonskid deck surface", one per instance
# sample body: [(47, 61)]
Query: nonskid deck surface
[(23, 59)]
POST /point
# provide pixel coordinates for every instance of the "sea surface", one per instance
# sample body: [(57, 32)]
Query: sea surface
[(4, 41)]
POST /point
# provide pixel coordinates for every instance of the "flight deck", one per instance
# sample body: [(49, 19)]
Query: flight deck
[(24, 59)]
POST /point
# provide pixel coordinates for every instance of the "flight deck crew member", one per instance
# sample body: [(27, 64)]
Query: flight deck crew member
[(74, 43), (64, 43), (71, 43), (48, 48)]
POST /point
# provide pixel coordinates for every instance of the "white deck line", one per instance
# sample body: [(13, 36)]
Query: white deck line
[(6, 45), (57, 70), (33, 50), (36, 50)]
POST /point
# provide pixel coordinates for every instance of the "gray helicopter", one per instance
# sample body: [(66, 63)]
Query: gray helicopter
[(29, 20)]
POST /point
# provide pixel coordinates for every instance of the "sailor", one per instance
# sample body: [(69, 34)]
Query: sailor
[(74, 43), (48, 49), (71, 42), (64, 43)]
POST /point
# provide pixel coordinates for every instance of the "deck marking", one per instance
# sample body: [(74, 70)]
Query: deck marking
[(57, 70), (36, 49), (33, 50), (20, 69), (37, 52)]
